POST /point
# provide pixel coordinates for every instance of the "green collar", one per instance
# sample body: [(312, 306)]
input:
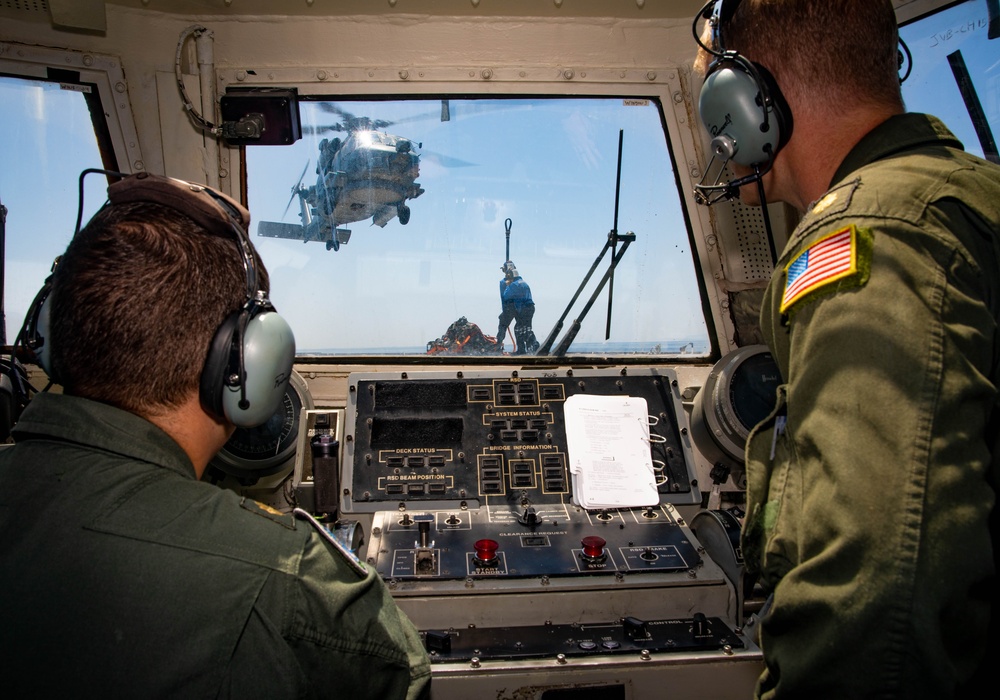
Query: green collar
[(103, 427), (901, 132)]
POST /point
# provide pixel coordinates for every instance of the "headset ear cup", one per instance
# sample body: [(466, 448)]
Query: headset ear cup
[(780, 111), (218, 366), (732, 108), (43, 337), (268, 355), (35, 331)]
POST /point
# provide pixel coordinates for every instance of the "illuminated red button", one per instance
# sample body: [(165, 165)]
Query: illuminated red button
[(486, 551), (593, 547)]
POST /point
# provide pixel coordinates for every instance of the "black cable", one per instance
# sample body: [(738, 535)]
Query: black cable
[(79, 209), (767, 219)]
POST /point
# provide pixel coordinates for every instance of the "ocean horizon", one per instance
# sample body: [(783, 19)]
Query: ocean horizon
[(667, 347)]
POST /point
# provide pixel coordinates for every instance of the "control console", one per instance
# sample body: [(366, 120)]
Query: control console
[(468, 481)]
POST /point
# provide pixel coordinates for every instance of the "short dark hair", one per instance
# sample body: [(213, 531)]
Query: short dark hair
[(136, 300), (831, 49)]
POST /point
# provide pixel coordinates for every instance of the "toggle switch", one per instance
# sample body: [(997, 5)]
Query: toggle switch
[(700, 626), (424, 522), (635, 628), (529, 517)]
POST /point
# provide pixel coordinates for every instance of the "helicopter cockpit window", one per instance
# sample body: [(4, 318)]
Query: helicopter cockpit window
[(394, 227)]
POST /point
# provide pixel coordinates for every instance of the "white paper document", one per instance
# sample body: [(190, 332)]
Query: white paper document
[(608, 442)]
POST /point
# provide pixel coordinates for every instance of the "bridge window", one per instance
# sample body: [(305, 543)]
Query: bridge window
[(48, 138), (956, 72), (379, 247)]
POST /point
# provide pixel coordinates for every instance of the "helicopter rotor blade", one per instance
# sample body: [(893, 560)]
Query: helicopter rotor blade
[(289, 205), (349, 121), (425, 116), (331, 108), (301, 175), (295, 190), (323, 129), (443, 160)]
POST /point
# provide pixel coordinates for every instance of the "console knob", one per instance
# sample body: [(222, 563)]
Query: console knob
[(529, 517), (635, 628)]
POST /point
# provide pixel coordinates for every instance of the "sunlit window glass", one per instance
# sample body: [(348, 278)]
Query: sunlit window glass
[(956, 72), (390, 222), (47, 138)]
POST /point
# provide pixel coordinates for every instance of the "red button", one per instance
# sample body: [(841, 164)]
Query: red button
[(593, 546), (486, 550)]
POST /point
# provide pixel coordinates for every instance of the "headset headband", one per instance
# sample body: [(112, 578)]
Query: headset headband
[(717, 13), (726, 10), (214, 212)]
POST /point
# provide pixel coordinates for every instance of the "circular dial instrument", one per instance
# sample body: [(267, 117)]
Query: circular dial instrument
[(268, 448), (738, 393)]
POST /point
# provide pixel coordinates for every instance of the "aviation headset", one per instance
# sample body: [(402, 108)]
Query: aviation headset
[(250, 357), (741, 105)]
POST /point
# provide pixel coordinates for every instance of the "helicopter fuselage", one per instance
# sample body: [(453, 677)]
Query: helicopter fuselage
[(370, 174)]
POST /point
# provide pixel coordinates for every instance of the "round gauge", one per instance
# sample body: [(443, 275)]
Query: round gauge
[(268, 448), (751, 390), (738, 394)]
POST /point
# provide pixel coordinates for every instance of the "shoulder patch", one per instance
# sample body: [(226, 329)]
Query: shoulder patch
[(839, 260), (349, 556)]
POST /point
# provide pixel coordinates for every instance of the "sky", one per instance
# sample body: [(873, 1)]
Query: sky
[(548, 165), (931, 87), (46, 139), (550, 168)]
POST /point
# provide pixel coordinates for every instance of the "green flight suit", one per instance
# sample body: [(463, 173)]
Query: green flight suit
[(122, 575), (871, 486)]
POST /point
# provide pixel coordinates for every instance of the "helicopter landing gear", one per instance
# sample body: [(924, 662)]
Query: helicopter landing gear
[(403, 212)]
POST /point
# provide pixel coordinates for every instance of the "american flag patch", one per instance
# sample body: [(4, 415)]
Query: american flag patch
[(827, 260)]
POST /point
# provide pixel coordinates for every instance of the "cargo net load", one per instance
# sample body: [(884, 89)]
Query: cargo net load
[(464, 338)]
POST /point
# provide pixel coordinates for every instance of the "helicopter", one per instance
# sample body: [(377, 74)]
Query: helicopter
[(369, 173)]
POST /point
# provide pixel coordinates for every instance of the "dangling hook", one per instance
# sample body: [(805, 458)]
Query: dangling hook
[(507, 224)]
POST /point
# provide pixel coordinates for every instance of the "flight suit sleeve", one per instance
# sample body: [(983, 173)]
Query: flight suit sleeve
[(867, 503), (351, 636), (331, 630)]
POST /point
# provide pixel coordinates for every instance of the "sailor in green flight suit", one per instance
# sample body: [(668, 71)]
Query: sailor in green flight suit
[(121, 573), (871, 487)]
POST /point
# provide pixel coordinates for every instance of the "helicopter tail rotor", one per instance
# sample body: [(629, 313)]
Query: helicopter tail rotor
[(295, 190)]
